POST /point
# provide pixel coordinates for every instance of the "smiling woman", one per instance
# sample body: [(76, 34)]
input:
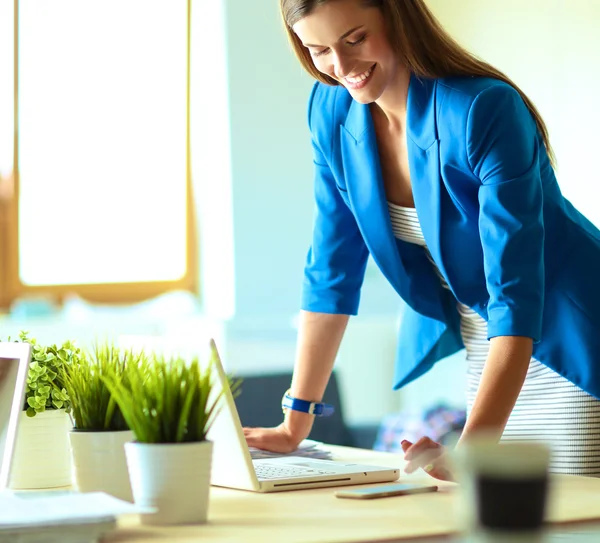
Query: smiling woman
[(438, 166), (358, 56)]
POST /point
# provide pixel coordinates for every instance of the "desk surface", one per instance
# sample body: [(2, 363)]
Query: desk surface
[(309, 516)]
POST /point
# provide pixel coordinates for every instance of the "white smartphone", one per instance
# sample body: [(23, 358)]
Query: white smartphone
[(385, 491)]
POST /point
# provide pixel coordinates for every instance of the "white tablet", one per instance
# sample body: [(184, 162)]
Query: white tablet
[(14, 364)]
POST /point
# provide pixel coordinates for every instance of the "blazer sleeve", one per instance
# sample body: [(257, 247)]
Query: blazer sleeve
[(503, 148), (336, 261)]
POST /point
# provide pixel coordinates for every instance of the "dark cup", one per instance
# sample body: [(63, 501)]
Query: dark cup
[(504, 489)]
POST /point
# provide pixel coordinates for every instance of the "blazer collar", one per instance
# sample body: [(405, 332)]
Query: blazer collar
[(367, 197), (421, 110)]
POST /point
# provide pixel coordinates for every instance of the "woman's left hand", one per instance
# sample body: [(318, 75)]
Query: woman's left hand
[(429, 455)]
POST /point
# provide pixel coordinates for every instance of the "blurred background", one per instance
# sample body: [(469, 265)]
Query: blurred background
[(156, 183)]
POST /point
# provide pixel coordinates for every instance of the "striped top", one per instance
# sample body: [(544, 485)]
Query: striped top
[(550, 408)]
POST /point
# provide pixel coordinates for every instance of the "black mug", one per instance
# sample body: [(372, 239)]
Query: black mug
[(504, 489)]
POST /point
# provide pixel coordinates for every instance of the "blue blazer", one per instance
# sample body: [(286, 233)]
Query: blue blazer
[(506, 240)]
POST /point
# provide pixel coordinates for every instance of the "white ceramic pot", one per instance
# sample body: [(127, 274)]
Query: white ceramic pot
[(172, 477), (42, 458), (99, 463)]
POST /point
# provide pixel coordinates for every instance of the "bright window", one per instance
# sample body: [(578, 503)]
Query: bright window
[(103, 177)]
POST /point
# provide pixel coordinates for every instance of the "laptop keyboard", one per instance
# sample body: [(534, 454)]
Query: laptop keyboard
[(277, 471)]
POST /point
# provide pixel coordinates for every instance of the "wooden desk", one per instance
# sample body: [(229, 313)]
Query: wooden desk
[(311, 516)]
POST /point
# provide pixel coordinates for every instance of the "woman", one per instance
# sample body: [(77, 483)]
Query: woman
[(438, 166)]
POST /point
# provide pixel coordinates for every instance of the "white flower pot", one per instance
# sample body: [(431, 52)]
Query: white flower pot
[(42, 458), (99, 463), (172, 477)]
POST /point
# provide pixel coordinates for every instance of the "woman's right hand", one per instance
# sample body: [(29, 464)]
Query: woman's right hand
[(284, 438)]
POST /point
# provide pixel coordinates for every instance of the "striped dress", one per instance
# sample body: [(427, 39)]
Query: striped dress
[(549, 408)]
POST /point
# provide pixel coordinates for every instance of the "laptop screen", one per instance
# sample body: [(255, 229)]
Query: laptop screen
[(14, 361)]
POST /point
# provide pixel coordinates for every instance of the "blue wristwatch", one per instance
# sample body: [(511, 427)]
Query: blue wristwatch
[(312, 408)]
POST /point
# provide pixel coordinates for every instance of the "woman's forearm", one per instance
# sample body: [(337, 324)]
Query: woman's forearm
[(501, 382), (319, 339)]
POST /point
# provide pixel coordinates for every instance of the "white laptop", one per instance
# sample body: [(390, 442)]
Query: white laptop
[(14, 363), (233, 466)]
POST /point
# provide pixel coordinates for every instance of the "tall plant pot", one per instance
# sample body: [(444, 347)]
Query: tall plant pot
[(174, 478), (42, 458), (99, 463)]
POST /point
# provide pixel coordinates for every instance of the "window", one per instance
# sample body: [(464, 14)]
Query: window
[(96, 179)]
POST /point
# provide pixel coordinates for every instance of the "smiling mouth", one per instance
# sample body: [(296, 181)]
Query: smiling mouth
[(360, 80)]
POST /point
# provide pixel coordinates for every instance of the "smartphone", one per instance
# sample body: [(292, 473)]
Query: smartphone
[(385, 491)]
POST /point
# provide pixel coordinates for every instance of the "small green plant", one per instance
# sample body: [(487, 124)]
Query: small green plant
[(167, 400), (94, 408), (45, 387)]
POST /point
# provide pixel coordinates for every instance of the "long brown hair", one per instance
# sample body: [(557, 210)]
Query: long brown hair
[(421, 43)]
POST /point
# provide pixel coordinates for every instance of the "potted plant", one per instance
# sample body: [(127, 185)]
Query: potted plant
[(99, 430), (42, 458), (169, 404)]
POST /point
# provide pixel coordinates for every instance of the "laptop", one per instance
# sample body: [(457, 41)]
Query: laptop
[(14, 363), (233, 466)]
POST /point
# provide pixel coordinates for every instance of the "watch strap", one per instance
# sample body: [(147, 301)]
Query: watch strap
[(318, 409)]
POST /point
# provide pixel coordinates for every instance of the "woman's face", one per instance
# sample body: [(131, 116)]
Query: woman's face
[(349, 42)]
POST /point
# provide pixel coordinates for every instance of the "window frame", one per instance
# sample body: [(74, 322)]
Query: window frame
[(11, 286)]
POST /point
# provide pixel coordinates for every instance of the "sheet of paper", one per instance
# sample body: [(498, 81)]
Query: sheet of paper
[(308, 449), (69, 508)]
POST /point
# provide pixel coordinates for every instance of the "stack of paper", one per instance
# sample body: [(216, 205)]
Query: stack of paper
[(307, 449), (68, 517)]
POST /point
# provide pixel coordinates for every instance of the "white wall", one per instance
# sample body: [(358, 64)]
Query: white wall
[(271, 161)]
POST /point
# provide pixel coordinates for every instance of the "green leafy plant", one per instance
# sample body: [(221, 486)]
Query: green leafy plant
[(93, 406), (45, 387), (167, 400)]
